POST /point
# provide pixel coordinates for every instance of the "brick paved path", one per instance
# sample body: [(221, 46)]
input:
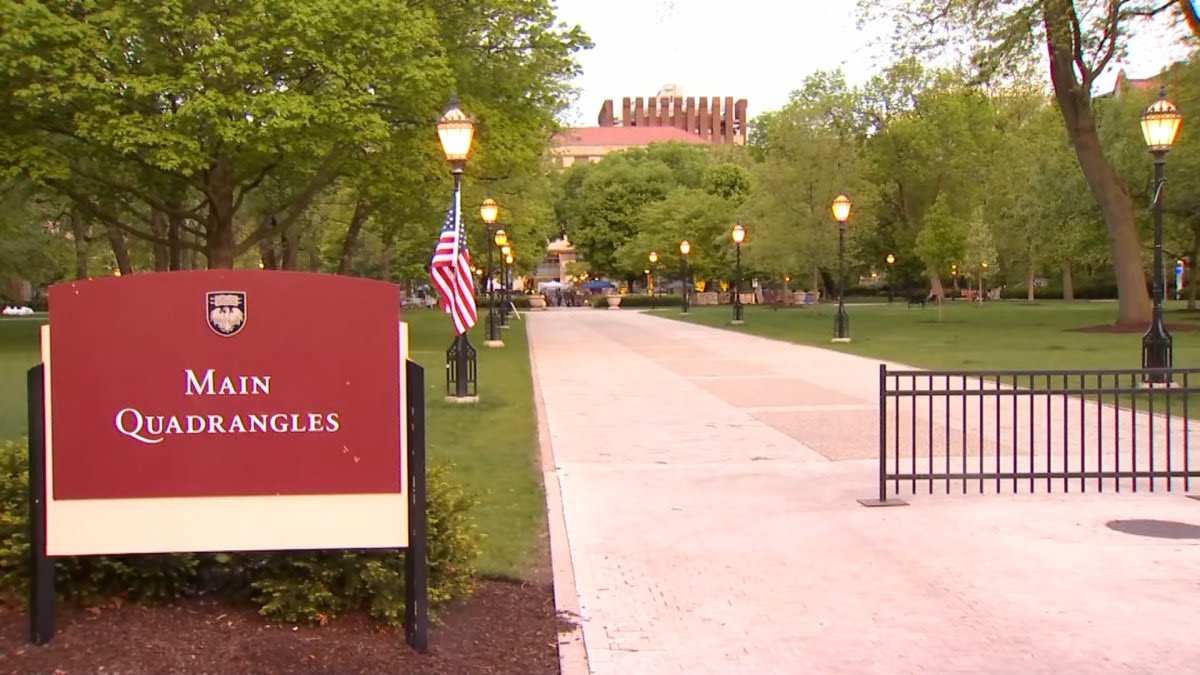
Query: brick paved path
[(708, 484)]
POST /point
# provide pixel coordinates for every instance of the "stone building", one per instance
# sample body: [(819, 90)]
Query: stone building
[(590, 144), (717, 120)]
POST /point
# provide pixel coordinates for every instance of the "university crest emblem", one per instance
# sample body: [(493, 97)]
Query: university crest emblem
[(226, 312)]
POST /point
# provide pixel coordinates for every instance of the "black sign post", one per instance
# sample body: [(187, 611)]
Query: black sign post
[(41, 573), (416, 568)]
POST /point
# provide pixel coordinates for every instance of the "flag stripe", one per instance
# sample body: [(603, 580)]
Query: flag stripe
[(450, 273)]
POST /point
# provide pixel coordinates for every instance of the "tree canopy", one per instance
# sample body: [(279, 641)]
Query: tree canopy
[(217, 127), (1082, 38)]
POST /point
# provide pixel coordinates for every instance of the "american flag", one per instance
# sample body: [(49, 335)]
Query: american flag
[(450, 271)]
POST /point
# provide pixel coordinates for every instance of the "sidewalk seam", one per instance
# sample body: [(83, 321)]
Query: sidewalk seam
[(572, 648)]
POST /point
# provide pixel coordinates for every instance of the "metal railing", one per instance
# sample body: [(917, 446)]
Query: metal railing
[(1035, 431)]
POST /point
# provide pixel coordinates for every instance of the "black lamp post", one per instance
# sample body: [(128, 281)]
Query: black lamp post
[(650, 280), (455, 131), (508, 281), (738, 235), (1160, 124), (841, 322), (489, 211), (684, 249), (506, 252), (891, 260)]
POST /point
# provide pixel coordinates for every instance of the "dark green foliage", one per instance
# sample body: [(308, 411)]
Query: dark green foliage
[(313, 586), (304, 586), (14, 520)]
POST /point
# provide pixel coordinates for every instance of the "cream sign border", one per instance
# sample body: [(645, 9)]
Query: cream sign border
[(195, 524)]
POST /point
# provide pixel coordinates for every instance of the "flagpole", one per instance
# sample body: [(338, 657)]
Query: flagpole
[(460, 352), (455, 131)]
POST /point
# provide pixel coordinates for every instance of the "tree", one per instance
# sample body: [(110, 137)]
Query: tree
[(808, 153), (702, 218), (943, 238), (937, 141), (33, 243), (216, 127), (1036, 198), (1081, 37), (600, 202)]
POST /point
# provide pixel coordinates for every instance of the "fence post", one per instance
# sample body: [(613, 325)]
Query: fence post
[(883, 397), (883, 432)]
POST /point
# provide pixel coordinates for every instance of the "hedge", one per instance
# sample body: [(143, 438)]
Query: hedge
[(640, 301), (293, 586)]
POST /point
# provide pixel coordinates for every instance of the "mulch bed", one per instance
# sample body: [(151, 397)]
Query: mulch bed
[(505, 627), (1138, 328)]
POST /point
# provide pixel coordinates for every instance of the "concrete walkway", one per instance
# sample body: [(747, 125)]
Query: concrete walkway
[(708, 484)]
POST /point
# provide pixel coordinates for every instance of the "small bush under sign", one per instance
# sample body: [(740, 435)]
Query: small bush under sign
[(293, 586)]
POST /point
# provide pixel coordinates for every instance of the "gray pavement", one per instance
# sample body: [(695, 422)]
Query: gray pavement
[(701, 488)]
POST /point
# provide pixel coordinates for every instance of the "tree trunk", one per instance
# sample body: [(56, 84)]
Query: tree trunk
[(79, 235), (1030, 295), (350, 243), (117, 240), (290, 243), (174, 242), (191, 260), (160, 228), (1112, 196), (385, 256), (313, 259), (1068, 284), (935, 284), (1190, 15), (220, 248), (268, 260)]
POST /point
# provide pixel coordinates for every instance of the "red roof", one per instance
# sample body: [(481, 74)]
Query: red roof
[(625, 136), (1124, 80)]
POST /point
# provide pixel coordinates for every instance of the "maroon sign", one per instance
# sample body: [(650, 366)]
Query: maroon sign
[(224, 383)]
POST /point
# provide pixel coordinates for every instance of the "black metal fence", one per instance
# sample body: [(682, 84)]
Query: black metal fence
[(1035, 431)]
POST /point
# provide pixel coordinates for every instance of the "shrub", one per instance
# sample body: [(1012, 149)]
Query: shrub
[(14, 520), (641, 301), (313, 586), (862, 291), (295, 586)]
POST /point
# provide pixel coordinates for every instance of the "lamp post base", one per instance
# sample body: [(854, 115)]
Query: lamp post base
[(493, 343), (736, 322), (462, 399), (841, 324), (1157, 351)]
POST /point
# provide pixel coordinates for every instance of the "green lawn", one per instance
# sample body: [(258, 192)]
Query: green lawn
[(18, 353), (1011, 334), (492, 445)]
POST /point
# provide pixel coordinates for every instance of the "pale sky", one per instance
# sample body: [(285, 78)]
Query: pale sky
[(759, 50)]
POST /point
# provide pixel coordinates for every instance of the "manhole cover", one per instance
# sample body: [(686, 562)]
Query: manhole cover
[(1161, 529)]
